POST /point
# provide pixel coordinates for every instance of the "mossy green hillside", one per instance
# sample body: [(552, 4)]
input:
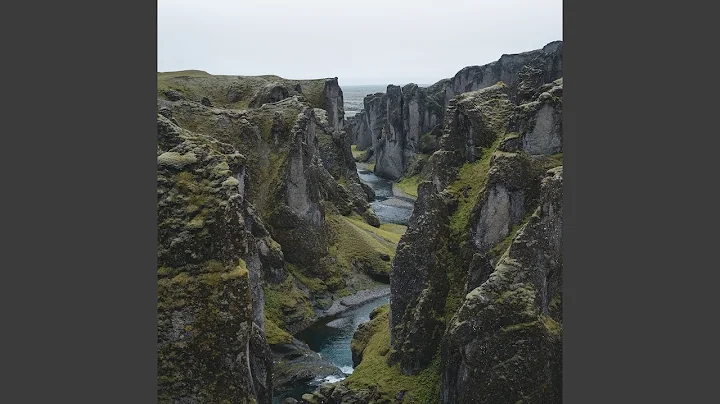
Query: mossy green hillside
[(234, 92), (357, 245)]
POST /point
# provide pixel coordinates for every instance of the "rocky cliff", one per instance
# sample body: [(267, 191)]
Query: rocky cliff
[(209, 347), (401, 125), (312, 238), (476, 283)]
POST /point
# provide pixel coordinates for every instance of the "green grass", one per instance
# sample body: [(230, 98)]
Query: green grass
[(355, 240), (388, 232), (394, 228), (355, 152), (374, 372), (409, 185)]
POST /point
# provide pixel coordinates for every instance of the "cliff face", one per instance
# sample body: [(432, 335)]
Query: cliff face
[(476, 282), (209, 347), (310, 227), (493, 310), (537, 67), (505, 342), (242, 92), (399, 125), (473, 123)]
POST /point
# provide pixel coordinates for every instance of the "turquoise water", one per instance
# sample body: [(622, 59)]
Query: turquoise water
[(331, 338)]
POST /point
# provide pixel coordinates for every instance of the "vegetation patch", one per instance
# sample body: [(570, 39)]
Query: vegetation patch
[(276, 335), (409, 185), (374, 372), (355, 152), (355, 244), (470, 181), (286, 300)]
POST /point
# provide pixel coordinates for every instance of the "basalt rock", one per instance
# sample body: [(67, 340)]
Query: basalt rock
[(418, 283), (268, 94), (501, 204), (210, 349), (241, 92), (475, 279), (334, 105), (546, 62), (291, 168), (389, 152), (404, 122), (539, 122), (505, 343), (300, 366)]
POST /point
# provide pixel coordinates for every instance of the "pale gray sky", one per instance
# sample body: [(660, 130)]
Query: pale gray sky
[(360, 42)]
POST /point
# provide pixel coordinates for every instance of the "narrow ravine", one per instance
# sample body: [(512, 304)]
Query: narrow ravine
[(331, 337)]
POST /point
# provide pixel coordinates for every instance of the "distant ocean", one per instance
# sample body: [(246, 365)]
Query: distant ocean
[(353, 96)]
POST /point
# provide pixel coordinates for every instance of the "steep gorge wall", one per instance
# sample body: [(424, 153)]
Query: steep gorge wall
[(397, 126), (480, 296), (211, 343), (302, 200), (476, 282)]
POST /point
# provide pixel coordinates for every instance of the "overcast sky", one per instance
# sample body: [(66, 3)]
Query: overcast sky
[(360, 42)]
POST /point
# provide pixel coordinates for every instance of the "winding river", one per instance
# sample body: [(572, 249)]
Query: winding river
[(331, 337)]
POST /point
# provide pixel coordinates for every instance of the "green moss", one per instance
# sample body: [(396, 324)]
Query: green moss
[(409, 185), (471, 175), (503, 245), (176, 160), (551, 325), (355, 152), (314, 284), (374, 372), (276, 335), (285, 299)]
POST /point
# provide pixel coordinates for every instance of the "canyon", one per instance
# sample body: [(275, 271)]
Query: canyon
[(423, 233)]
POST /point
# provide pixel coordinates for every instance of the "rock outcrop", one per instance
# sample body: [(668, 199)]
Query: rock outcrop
[(537, 67), (241, 92), (505, 343), (403, 123), (476, 283), (305, 214), (209, 347), (419, 276)]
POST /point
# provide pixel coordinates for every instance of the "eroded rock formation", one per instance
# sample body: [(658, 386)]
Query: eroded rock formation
[(476, 283), (402, 123)]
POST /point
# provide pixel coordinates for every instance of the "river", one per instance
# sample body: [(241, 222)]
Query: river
[(331, 337)]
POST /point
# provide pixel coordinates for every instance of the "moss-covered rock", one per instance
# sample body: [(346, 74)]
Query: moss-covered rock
[(505, 343), (209, 347), (240, 92)]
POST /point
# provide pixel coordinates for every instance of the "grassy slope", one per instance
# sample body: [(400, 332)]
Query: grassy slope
[(354, 239), (409, 185)]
